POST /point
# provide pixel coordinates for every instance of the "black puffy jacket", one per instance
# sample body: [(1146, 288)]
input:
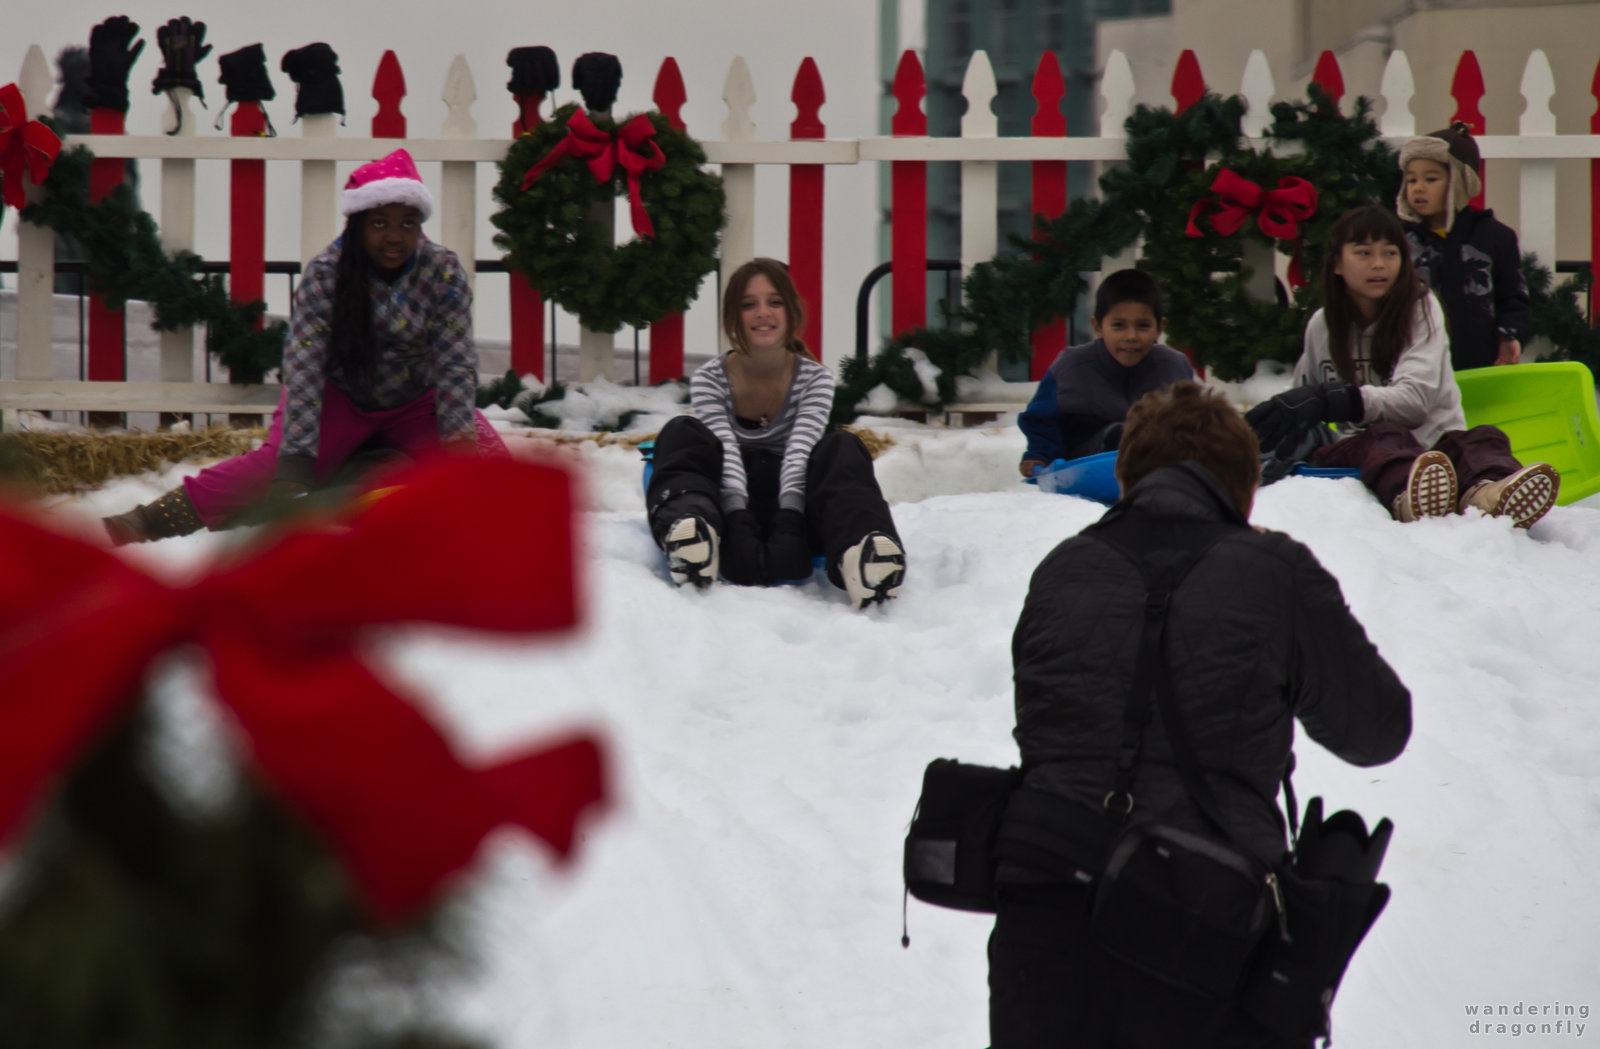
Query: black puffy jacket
[(1477, 273), (1257, 632)]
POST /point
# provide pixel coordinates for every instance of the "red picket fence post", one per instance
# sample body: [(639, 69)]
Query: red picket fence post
[(806, 203), (527, 305), (388, 88), (107, 346), (247, 213), (1329, 76), (1466, 87), (1188, 85), (666, 334), (1049, 192), (1594, 193), (908, 210)]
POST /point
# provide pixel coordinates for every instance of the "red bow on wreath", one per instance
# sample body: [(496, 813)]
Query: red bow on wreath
[(603, 152), (25, 145), (281, 632), (1278, 212)]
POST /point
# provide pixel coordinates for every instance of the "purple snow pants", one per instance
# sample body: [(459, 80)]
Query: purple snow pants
[(1384, 453), (220, 491)]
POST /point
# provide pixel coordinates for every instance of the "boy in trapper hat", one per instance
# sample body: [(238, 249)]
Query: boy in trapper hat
[(1469, 257)]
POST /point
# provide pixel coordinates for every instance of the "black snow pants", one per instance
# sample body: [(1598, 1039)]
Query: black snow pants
[(843, 501)]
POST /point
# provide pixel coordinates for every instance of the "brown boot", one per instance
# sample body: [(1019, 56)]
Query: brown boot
[(172, 514), (1525, 496)]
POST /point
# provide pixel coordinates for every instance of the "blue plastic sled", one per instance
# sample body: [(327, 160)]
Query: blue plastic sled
[(1094, 476), (1091, 477)]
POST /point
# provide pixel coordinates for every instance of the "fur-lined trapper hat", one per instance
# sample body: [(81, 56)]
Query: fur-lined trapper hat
[(1453, 147), (392, 180)]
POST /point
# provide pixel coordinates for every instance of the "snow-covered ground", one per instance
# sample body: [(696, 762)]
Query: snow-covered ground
[(770, 744)]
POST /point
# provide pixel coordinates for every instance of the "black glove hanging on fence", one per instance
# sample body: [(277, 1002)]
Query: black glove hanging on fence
[(597, 76), (1281, 421), (112, 52), (182, 48), (315, 71), (534, 71), (243, 75)]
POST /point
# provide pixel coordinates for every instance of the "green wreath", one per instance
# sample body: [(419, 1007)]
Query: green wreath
[(548, 235), (127, 261)]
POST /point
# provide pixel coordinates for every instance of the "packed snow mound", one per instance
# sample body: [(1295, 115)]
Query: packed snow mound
[(770, 745)]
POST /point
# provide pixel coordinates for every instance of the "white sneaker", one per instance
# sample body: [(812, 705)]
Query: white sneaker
[(873, 570), (1430, 489), (691, 546)]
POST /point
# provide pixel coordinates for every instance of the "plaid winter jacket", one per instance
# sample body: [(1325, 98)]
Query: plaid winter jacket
[(423, 320)]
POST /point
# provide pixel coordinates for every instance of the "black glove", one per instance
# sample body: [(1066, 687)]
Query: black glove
[(181, 50), (1280, 421), (110, 58), (243, 73), (788, 550), (597, 76), (315, 70), (534, 71), (743, 556)]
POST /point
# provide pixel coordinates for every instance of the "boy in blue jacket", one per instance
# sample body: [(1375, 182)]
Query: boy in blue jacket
[(1087, 390)]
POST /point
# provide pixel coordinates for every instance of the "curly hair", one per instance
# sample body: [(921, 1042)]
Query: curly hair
[(1187, 421)]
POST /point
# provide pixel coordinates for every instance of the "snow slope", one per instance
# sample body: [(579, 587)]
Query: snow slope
[(770, 743)]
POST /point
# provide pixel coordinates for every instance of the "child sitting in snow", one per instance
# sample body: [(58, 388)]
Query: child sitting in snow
[(380, 366), (1470, 258), (1086, 392), (750, 487), (1377, 364)]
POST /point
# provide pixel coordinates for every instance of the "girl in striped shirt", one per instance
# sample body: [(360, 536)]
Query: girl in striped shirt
[(750, 485)]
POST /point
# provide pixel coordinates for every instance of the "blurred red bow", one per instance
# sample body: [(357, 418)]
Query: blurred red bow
[(603, 152), (79, 626), (25, 145)]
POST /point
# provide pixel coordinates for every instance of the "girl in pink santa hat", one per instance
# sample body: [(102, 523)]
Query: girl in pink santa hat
[(380, 365)]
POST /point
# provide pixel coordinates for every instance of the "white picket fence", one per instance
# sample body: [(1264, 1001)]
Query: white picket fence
[(460, 148)]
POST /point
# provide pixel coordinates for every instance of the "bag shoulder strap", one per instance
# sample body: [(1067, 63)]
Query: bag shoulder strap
[(1163, 551)]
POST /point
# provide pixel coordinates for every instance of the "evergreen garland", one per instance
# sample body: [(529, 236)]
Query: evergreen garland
[(508, 391), (1557, 315), (549, 237), (130, 920), (126, 261)]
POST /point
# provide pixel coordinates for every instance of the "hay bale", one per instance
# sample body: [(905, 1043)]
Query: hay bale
[(46, 462), (877, 443)]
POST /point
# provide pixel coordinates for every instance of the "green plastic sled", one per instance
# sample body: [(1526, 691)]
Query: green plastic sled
[(1548, 411)]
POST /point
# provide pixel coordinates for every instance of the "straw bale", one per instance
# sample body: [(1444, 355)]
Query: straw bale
[(49, 462), (875, 441)]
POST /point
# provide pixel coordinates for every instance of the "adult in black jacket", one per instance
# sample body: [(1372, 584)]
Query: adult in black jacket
[(1257, 634)]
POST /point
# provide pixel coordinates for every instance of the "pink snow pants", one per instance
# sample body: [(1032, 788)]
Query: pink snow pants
[(220, 491)]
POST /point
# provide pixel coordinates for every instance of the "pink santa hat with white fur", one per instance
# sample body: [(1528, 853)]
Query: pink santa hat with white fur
[(391, 180)]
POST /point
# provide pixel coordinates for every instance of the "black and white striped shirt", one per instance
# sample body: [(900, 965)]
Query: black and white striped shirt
[(794, 431)]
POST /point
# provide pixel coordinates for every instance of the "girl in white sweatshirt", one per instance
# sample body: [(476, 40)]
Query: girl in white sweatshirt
[(1376, 364)]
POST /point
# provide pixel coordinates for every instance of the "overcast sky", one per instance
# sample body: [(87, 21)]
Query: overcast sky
[(703, 36)]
